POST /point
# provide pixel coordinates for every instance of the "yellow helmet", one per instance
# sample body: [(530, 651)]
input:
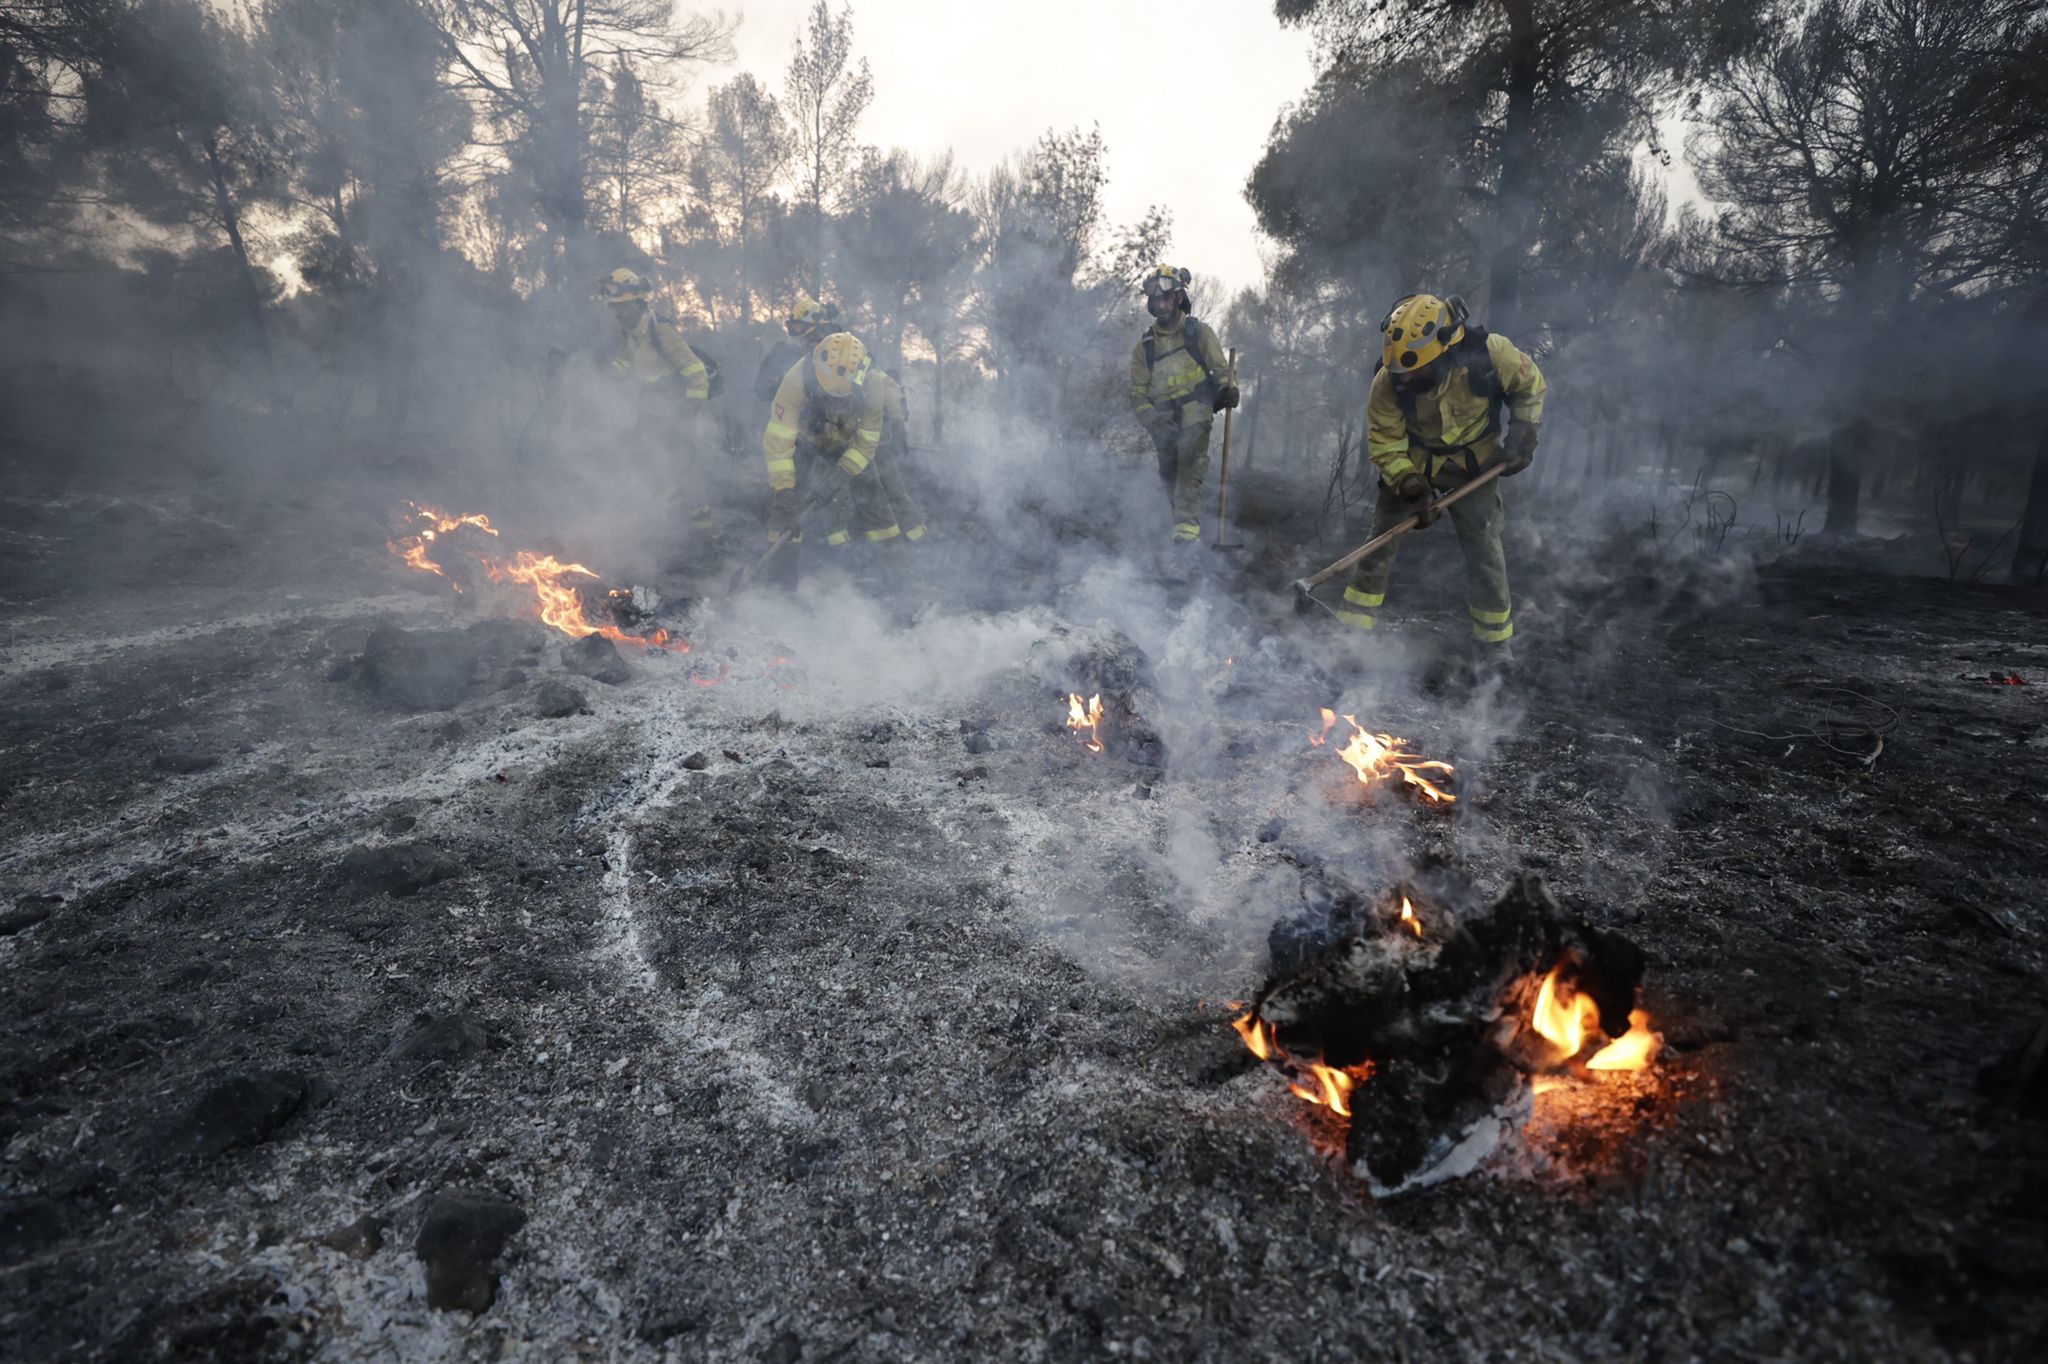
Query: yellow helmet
[(809, 318), (1166, 279), (1419, 328), (623, 286), (841, 363)]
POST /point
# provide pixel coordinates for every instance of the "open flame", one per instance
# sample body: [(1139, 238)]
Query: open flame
[(1379, 757), (1087, 718), (1324, 1085), (1408, 916), (1568, 1019), (556, 599)]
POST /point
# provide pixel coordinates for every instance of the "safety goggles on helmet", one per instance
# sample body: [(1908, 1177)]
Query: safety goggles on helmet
[(1166, 279), (623, 286)]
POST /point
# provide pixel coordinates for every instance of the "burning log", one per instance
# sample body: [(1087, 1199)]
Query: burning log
[(1098, 678), (1424, 1025)]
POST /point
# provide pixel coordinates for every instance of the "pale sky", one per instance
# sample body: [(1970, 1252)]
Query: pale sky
[(986, 80)]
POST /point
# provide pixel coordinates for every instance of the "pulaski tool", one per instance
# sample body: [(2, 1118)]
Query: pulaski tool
[(1304, 588)]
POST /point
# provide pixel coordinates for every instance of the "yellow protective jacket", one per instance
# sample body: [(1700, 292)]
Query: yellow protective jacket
[(1451, 419), (1175, 383), (653, 351), (849, 427)]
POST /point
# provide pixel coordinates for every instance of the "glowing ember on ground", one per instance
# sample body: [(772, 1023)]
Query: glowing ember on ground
[(1087, 718), (1379, 757), (556, 598)]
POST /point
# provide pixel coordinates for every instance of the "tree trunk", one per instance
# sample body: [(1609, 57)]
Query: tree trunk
[(1511, 208), (1846, 452), (252, 297), (2030, 560)]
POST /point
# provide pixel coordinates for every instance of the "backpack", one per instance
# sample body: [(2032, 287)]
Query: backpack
[(1206, 391)]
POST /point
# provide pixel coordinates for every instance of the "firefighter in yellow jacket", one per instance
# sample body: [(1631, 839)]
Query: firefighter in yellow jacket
[(1180, 380), (662, 369), (825, 426), (650, 351), (1434, 419), (810, 322)]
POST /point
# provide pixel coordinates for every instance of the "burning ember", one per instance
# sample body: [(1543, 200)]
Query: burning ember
[(557, 601), (1088, 718), (1459, 1018), (1377, 757)]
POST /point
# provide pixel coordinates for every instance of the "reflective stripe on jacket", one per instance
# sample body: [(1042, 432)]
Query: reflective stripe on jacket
[(849, 427), (1449, 417), (1174, 377), (652, 351)]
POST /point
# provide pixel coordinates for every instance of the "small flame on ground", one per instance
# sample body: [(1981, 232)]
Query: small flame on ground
[(1568, 1019), (1331, 1088), (1376, 757), (1408, 916), (1088, 718), (1633, 1050), (557, 601)]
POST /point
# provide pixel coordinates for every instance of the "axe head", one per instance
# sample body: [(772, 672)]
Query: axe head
[(1305, 601)]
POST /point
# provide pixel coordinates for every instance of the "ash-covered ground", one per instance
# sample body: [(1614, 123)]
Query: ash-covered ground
[(816, 995)]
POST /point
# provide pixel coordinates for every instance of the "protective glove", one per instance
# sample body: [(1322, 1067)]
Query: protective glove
[(1519, 448), (785, 513), (1226, 397), (1414, 488)]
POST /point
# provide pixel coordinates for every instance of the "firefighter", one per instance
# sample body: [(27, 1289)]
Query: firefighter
[(1179, 382), (825, 429), (654, 354), (1433, 421), (810, 322)]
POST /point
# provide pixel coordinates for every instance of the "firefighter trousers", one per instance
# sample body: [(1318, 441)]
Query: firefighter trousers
[(1479, 520), (1183, 452)]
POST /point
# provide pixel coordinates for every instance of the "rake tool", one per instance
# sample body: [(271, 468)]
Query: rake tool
[(1304, 588)]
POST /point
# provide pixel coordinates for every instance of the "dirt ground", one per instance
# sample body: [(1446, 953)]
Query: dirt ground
[(816, 996)]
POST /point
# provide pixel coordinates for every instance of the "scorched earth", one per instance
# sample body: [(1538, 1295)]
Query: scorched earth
[(391, 977)]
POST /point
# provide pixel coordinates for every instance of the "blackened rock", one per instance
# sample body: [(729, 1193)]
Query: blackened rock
[(237, 1113), (510, 678), (396, 869), (419, 672), (28, 911), (185, 761), (460, 1241), (55, 681), (1090, 661), (557, 699), (359, 1240), (696, 762), (596, 658), (977, 741), (454, 1038), (786, 1348)]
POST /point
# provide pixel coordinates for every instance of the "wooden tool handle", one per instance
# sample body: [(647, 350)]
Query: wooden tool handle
[(1398, 529)]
